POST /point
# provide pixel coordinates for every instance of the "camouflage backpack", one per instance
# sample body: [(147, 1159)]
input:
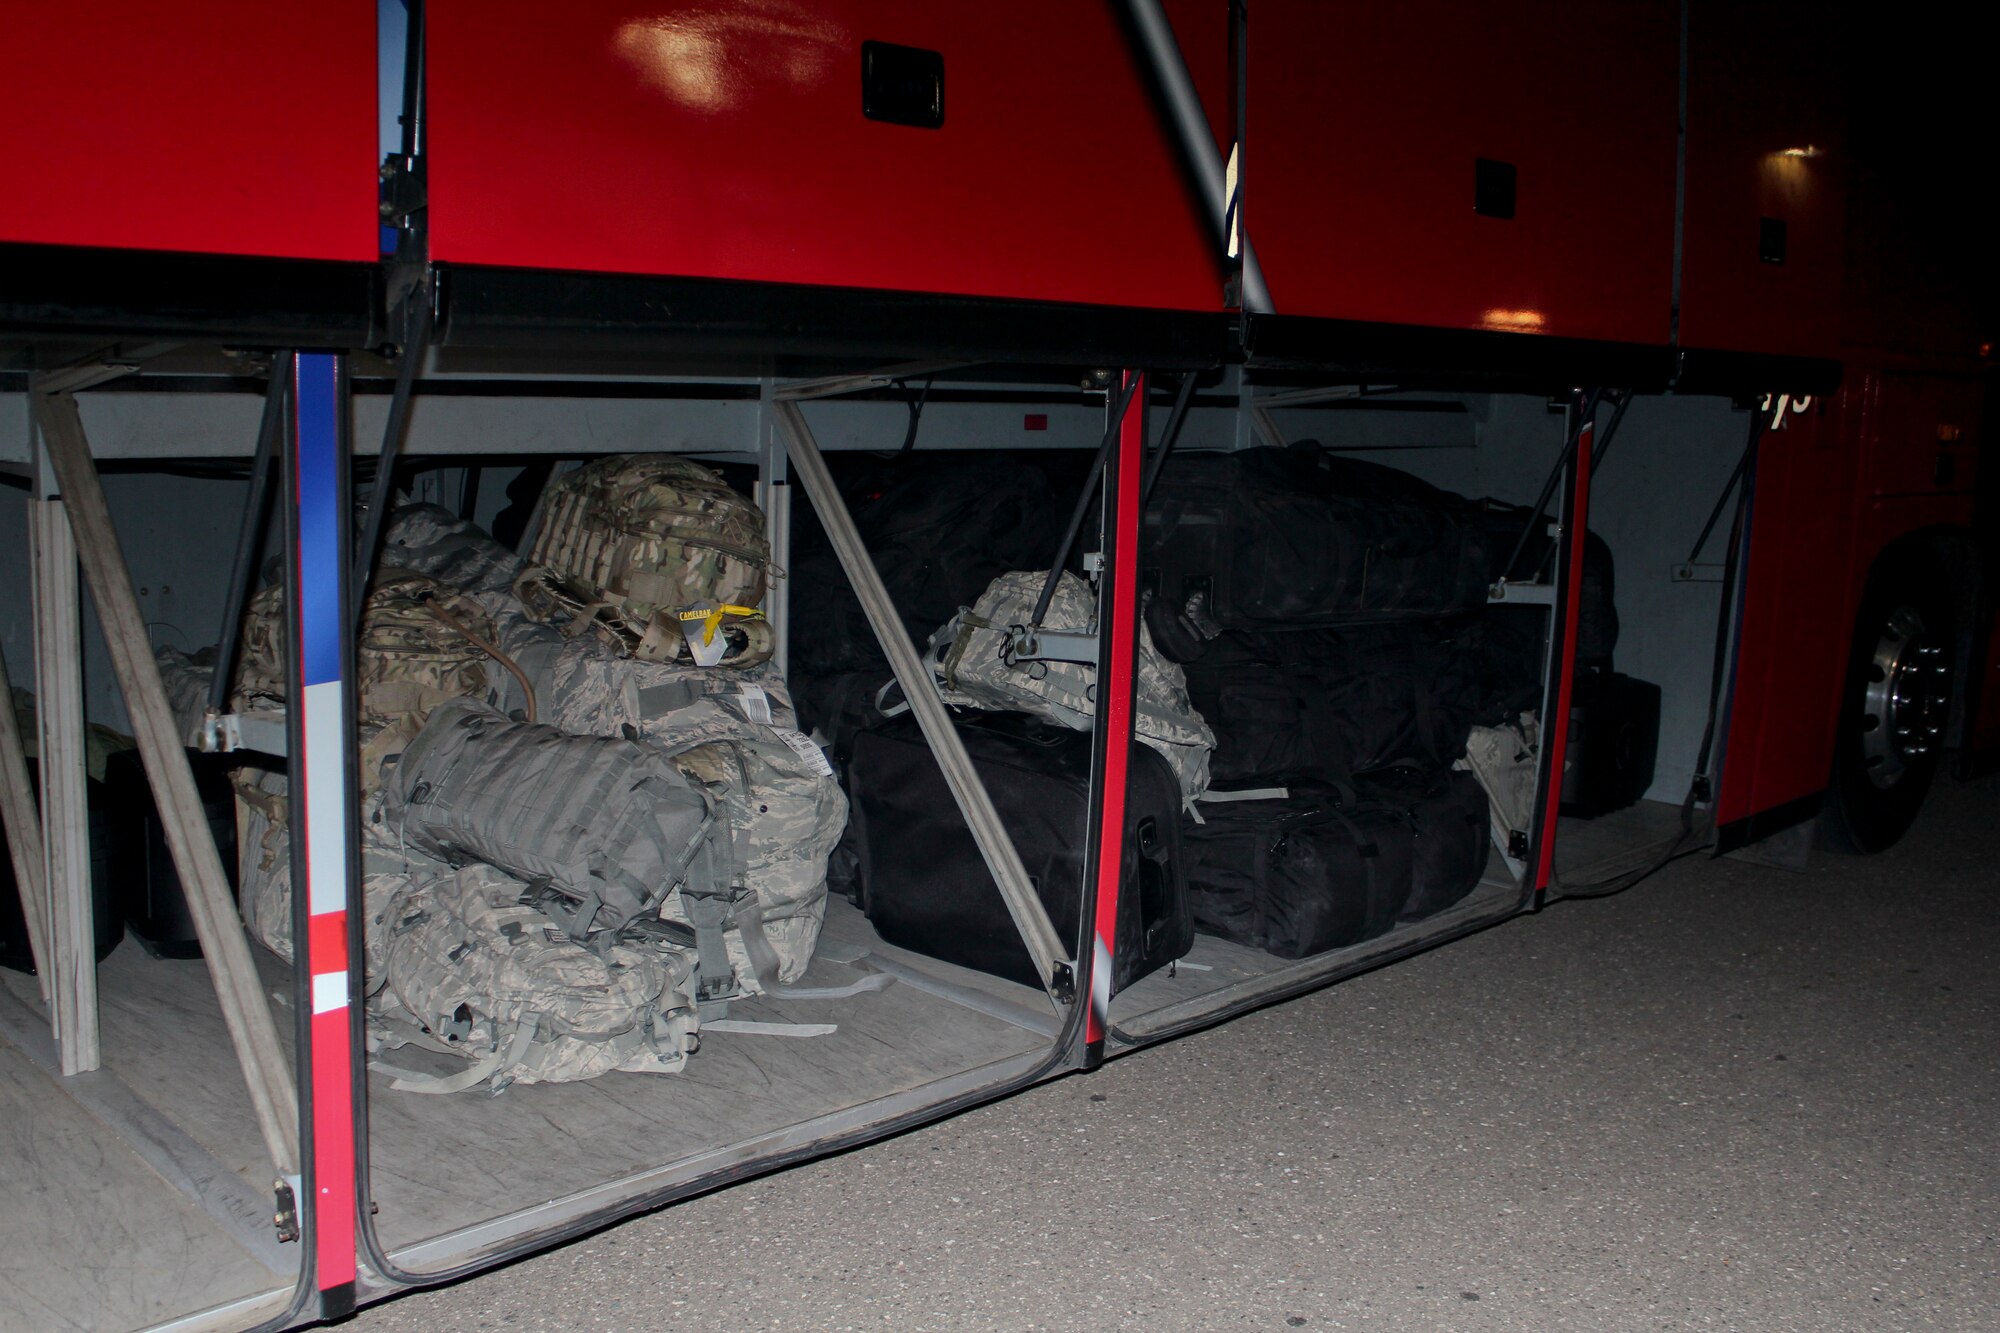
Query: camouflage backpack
[(470, 968), (420, 645), (264, 864), (733, 734), (608, 825), (1504, 759), (969, 658), (658, 554)]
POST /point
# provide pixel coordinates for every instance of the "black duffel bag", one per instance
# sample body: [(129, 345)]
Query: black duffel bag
[(1597, 608), (1451, 827), (1299, 875), (1298, 538), (919, 875), (940, 526), (1323, 705)]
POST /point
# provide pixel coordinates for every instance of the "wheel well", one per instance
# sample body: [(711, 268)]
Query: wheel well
[(1959, 553)]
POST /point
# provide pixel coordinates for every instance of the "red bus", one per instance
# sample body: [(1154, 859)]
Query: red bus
[(1665, 280)]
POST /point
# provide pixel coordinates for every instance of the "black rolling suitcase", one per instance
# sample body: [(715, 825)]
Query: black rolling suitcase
[(1287, 539), (149, 888), (919, 875), (1614, 742), (107, 927), (1452, 828), (1299, 875)]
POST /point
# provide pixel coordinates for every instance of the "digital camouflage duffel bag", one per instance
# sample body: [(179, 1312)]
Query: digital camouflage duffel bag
[(469, 968), (971, 659), (732, 733)]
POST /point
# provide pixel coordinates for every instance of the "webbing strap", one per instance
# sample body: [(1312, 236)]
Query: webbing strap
[(752, 1028), (1246, 794), (492, 1065)]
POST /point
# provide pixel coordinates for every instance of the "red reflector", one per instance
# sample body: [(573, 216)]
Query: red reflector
[(1035, 421)]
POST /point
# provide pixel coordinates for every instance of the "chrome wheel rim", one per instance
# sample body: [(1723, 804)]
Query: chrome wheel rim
[(1906, 698)]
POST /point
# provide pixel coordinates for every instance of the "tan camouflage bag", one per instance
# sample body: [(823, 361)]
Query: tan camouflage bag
[(659, 555), (417, 648), (967, 656), (421, 644), (468, 968)]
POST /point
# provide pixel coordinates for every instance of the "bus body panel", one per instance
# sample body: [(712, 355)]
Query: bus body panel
[(232, 127), (1361, 215), (697, 139)]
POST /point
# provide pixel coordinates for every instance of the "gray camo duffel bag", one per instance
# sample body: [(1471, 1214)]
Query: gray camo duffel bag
[(611, 825)]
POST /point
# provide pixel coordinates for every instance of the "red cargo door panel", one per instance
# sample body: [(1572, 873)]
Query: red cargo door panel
[(1766, 173), (727, 140), (227, 127), (1798, 612), (1363, 129)]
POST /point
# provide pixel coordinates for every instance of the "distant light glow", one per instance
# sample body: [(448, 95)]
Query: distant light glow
[(1513, 321), (1808, 151)]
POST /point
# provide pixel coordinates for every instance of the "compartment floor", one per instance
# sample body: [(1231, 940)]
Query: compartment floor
[(92, 1238), (134, 1251)]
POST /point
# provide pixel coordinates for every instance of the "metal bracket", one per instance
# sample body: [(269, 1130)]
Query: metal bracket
[(1531, 594), (1026, 644), (285, 1214), (262, 731)]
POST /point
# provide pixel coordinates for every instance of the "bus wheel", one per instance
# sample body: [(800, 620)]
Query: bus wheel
[(1897, 701)]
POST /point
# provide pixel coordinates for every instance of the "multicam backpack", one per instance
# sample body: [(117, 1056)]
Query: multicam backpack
[(732, 733), (469, 968), (970, 657), (460, 555), (420, 645), (657, 553)]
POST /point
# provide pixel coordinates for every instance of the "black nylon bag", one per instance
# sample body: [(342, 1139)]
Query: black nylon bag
[(939, 526), (1300, 875), (1322, 705), (1452, 831), (925, 887), (1286, 539)]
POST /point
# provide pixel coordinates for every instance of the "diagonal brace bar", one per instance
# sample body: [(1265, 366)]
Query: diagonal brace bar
[(1045, 946), (244, 1007), (24, 833)]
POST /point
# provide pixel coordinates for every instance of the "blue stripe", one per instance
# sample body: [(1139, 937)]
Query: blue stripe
[(321, 562)]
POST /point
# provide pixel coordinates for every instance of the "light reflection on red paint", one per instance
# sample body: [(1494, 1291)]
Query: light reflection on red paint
[(712, 59)]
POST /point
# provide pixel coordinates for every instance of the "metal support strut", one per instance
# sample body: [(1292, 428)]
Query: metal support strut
[(1045, 946), (223, 945)]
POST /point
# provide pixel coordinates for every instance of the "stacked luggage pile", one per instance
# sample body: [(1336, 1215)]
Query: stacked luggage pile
[(1331, 615), (1315, 656), (588, 820)]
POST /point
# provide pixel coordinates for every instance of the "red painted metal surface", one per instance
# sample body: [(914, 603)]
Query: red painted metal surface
[(698, 138), (1836, 486), (1765, 139), (227, 127), (1799, 599), (1116, 717), (1363, 125), (1577, 520)]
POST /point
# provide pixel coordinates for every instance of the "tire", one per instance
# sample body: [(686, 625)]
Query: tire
[(1895, 704)]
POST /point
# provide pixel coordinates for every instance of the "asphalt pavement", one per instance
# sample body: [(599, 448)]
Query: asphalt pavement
[(1735, 1098)]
